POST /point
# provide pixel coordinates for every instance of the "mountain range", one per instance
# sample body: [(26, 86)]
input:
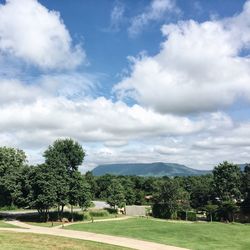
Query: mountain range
[(148, 169), (156, 169)]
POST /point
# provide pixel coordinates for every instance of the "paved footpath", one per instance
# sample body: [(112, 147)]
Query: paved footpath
[(113, 240)]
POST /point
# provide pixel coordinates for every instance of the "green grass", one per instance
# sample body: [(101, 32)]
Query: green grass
[(202, 236), (24, 241), (3, 224)]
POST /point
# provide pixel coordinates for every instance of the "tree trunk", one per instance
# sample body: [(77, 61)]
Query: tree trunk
[(72, 219), (211, 217), (58, 212)]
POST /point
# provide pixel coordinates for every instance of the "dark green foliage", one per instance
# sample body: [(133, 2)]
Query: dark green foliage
[(43, 191), (211, 210), (65, 152), (227, 210), (246, 190), (12, 161), (52, 216), (200, 189), (227, 181), (111, 210), (115, 192), (160, 211), (169, 198), (187, 215), (63, 158)]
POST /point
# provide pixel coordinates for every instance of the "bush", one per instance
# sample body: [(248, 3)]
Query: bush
[(160, 211), (98, 213), (53, 216), (8, 208), (111, 210), (191, 216)]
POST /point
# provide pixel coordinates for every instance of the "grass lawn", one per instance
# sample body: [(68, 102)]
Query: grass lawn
[(3, 224), (24, 241), (202, 236)]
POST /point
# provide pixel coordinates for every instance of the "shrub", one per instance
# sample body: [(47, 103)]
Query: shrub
[(8, 208), (98, 213), (160, 211), (53, 216), (191, 216), (111, 210)]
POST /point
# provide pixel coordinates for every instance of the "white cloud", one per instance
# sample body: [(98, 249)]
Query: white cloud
[(116, 16), (201, 67), (32, 33), (156, 11), (113, 131)]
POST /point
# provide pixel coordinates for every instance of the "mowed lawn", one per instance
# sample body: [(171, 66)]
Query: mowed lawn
[(3, 224), (24, 241), (196, 236)]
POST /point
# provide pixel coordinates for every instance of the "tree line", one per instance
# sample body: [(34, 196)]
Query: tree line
[(223, 194), (54, 184)]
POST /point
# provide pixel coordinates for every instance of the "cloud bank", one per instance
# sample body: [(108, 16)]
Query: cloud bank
[(201, 67)]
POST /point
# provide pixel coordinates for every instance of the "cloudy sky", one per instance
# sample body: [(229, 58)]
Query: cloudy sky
[(132, 81)]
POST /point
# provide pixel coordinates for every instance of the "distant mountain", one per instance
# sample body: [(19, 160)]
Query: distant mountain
[(148, 169), (242, 166)]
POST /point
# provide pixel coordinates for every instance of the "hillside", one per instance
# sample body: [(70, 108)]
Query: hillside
[(147, 169)]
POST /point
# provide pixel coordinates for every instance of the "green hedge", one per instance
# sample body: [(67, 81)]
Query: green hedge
[(53, 216)]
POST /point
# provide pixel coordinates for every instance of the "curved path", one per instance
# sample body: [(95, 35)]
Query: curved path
[(113, 240)]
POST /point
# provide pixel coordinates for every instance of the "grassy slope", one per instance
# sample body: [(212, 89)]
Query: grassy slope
[(22, 241), (3, 224), (191, 235)]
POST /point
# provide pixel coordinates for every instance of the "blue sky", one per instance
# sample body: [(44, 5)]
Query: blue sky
[(132, 81)]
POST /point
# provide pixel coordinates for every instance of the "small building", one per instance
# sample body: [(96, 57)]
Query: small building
[(136, 210)]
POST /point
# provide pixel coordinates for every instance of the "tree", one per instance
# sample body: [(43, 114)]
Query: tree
[(115, 192), (12, 161), (64, 157), (67, 152), (245, 206), (79, 192), (43, 191), (227, 181), (168, 199), (227, 210), (90, 179), (211, 209)]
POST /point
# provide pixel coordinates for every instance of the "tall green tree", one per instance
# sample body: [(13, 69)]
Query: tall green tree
[(168, 199), (115, 192), (246, 190), (64, 156), (227, 181), (211, 209), (12, 161), (43, 191)]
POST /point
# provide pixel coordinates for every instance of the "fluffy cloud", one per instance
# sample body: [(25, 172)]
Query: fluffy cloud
[(201, 67), (112, 131), (32, 33), (156, 11)]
